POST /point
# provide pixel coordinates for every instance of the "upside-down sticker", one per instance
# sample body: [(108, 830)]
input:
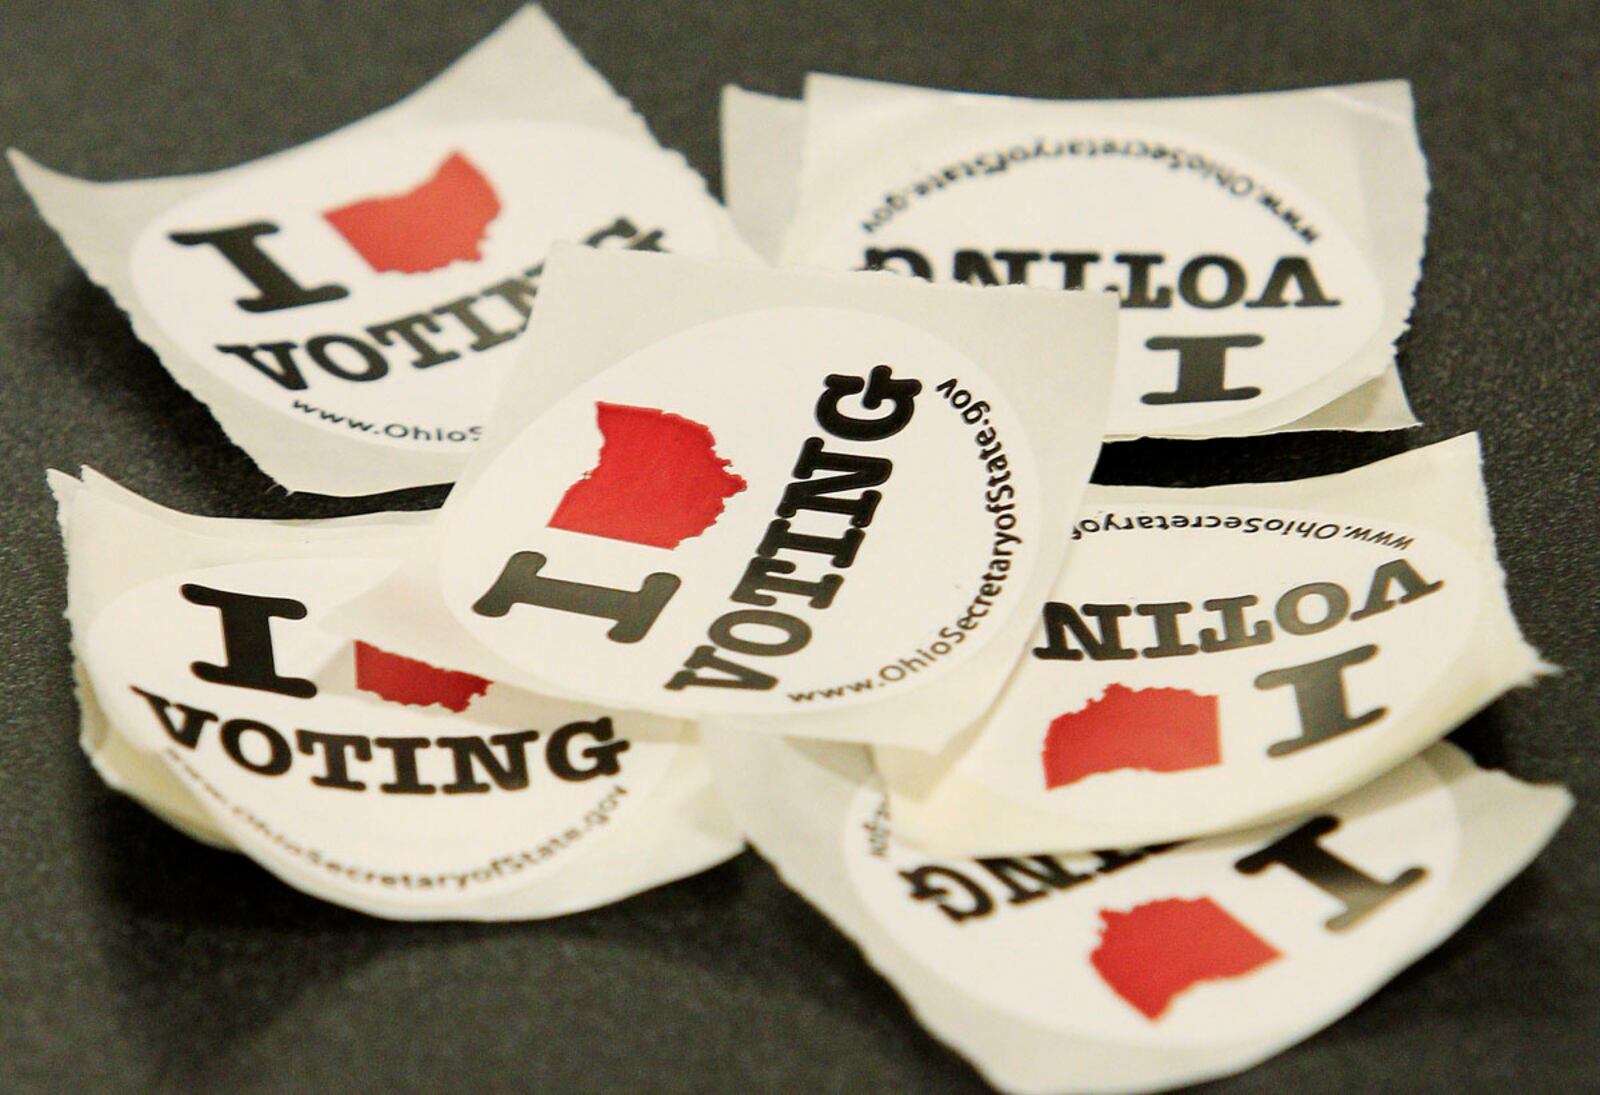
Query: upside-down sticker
[(1214, 658), (1149, 967)]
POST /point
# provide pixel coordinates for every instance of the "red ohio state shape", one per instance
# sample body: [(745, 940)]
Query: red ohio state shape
[(399, 679), (659, 480), (1156, 729), (1154, 951), (441, 221)]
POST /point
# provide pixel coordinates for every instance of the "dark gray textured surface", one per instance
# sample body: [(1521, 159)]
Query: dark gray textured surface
[(132, 958)]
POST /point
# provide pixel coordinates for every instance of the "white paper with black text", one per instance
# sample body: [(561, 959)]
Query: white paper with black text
[(1265, 247), (356, 773), (805, 502), (1221, 657), (348, 308), (1147, 969)]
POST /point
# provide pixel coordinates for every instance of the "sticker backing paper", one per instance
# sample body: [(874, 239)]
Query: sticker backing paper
[(361, 775), (348, 308)]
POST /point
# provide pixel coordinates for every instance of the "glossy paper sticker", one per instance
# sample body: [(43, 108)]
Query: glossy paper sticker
[(1148, 968), (349, 308), (356, 773), (1263, 247), (1216, 658), (772, 493)]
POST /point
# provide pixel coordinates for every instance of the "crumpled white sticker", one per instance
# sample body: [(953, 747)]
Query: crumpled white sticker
[(717, 491), (1146, 969), (1221, 657), (1265, 246), (211, 693), (348, 308)]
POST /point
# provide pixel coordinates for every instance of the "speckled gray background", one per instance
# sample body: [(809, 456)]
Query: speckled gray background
[(134, 959)]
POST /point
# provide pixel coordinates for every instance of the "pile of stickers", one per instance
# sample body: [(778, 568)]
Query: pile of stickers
[(1120, 787)]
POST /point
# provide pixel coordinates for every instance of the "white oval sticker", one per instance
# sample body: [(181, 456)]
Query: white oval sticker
[(346, 764), (783, 510), (1232, 939), (376, 289), (1203, 667), (1238, 288)]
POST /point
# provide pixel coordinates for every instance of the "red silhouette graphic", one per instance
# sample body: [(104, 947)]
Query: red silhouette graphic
[(439, 222), (1154, 951), (1158, 729), (659, 480), (405, 680)]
